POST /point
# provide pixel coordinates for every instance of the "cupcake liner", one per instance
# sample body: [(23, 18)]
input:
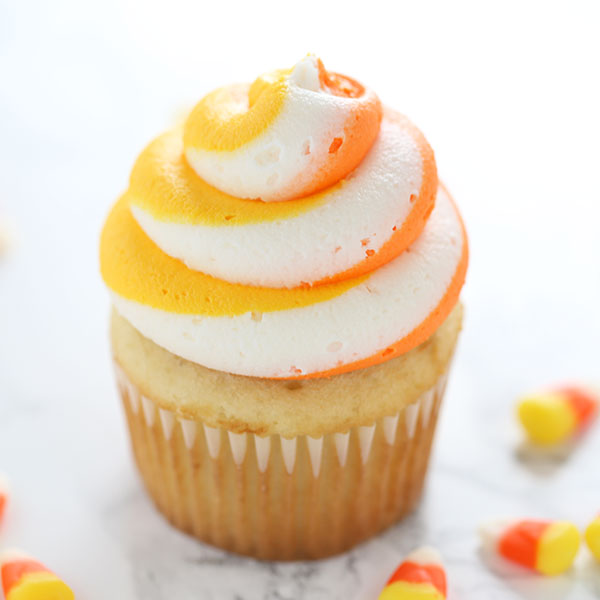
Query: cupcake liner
[(277, 498)]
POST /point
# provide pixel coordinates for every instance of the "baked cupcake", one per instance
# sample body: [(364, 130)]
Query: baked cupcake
[(285, 272)]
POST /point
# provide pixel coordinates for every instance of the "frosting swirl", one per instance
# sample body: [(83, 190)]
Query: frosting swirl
[(291, 133), (289, 230)]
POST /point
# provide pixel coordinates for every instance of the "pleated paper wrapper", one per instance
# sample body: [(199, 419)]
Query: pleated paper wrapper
[(277, 498)]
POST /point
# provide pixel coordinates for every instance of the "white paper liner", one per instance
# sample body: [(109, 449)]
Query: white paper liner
[(365, 478)]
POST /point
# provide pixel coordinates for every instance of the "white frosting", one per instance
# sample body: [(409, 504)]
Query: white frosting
[(305, 74), (315, 244), (366, 319), (286, 156)]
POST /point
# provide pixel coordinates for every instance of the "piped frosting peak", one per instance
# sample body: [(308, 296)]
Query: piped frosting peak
[(292, 228)]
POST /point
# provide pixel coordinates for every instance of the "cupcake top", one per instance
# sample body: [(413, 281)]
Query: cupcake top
[(291, 228)]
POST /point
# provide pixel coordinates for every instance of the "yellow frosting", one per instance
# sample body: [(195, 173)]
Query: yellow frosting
[(163, 184), (230, 117), (136, 269)]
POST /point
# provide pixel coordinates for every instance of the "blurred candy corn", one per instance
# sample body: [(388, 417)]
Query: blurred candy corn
[(26, 579), (420, 577), (3, 497), (554, 416), (592, 537), (548, 547), (6, 235)]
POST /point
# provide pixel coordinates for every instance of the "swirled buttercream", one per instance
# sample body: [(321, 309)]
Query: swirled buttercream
[(292, 228)]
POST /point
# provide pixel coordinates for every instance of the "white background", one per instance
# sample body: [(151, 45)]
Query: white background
[(507, 94)]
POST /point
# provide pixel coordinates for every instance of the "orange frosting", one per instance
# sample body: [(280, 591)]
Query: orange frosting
[(230, 117), (419, 334), (163, 184), (414, 224), (360, 132)]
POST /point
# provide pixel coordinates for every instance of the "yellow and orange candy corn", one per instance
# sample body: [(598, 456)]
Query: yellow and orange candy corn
[(420, 577), (554, 416), (592, 537), (23, 578), (3, 498), (548, 547)]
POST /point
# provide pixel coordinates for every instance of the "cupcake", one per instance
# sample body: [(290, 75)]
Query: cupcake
[(285, 271)]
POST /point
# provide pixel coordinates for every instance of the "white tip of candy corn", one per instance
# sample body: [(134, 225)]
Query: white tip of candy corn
[(4, 486), (491, 531), (426, 555), (7, 235), (11, 555)]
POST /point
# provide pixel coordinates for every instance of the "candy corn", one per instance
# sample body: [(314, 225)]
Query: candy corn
[(26, 579), (4, 237), (554, 416), (3, 497), (548, 547), (420, 577), (592, 537)]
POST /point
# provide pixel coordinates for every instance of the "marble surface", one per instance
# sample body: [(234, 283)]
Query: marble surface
[(85, 85)]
